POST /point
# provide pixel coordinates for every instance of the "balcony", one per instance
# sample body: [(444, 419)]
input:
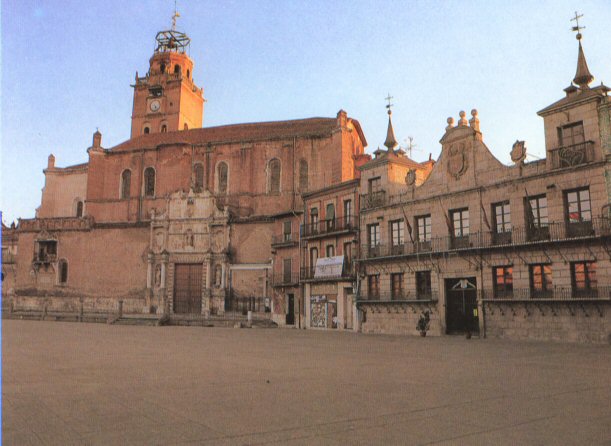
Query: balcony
[(373, 200), (398, 297), (573, 155), (518, 236), (285, 279), (555, 293), (348, 273), (284, 240), (333, 226)]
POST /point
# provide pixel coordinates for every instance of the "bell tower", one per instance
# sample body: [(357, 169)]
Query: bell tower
[(166, 99)]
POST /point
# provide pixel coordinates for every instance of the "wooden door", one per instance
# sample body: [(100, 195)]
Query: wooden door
[(188, 288)]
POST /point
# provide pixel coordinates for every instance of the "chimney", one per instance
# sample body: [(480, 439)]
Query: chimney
[(97, 139), (342, 118), (51, 162)]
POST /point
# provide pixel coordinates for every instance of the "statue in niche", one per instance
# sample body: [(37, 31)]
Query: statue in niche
[(218, 275), (157, 276), (158, 241), (189, 239)]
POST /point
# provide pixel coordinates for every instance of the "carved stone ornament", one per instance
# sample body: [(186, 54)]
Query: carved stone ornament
[(518, 151), (457, 164), (410, 178), (158, 241)]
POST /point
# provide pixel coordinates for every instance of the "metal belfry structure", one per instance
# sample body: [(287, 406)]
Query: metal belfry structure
[(172, 40)]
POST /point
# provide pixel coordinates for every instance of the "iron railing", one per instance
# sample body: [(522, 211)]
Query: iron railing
[(373, 200), (572, 155), (555, 231), (554, 293), (403, 295), (241, 305), (285, 278), (330, 226), (284, 240)]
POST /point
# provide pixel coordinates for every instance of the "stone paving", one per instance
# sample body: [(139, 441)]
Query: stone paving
[(71, 383)]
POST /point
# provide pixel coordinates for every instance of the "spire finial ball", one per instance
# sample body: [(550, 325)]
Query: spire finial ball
[(578, 36)]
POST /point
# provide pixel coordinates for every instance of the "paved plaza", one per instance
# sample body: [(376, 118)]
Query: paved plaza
[(71, 383)]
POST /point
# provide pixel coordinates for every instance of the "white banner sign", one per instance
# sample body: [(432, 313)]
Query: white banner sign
[(329, 267)]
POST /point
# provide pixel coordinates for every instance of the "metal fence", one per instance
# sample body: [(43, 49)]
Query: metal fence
[(329, 226)]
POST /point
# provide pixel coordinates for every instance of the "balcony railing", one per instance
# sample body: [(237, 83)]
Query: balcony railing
[(285, 279), (373, 199), (284, 240), (555, 293), (331, 226), (572, 155), (555, 231), (403, 295), (348, 272), (43, 257)]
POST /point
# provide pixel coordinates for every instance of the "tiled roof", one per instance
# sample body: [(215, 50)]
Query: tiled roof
[(580, 95), (234, 133)]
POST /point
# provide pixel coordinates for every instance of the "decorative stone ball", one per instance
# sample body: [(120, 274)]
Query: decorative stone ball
[(462, 114), (474, 112), (450, 120)]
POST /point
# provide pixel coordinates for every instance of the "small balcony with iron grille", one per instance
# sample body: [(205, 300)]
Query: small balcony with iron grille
[(573, 155), (285, 240), (334, 226)]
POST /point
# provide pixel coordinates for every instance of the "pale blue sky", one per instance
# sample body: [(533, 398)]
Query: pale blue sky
[(67, 68)]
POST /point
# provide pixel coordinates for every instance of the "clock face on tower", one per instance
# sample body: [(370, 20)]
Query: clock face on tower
[(155, 105)]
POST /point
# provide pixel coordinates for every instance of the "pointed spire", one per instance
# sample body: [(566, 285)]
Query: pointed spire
[(583, 77), (390, 142)]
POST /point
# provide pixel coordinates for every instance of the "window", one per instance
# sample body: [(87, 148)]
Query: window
[(571, 134), (423, 285), (149, 182), (502, 278), (188, 74), (79, 208), (348, 256), (423, 228), (176, 69), (583, 279), (288, 270), (541, 280), (536, 218), (313, 257), (185, 126), (47, 250), (502, 217), (313, 218), (126, 181), (397, 232), (198, 177), (157, 91), (375, 185), (460, 222), (164, 128), (330, 216), (348, 211), (274, 176), (578, 212), (287, 230), (223, 175), (63, 271), (162, 68), (147, 130), (330, 251), (303, 175), (373, 286), (396, 286), (374, 234)]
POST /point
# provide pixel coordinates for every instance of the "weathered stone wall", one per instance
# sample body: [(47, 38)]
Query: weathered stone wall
[(556, 321), (399, 319)]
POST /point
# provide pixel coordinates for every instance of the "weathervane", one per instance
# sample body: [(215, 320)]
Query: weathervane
[(577, 28), (389, 105), (174, 17)]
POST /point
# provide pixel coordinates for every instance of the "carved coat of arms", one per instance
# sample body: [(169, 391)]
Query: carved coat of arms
[(518, 151), (457, 164), (410, 178)]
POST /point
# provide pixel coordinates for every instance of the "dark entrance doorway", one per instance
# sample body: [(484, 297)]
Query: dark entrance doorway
[(290, 315), (461, 306), (188, 288)]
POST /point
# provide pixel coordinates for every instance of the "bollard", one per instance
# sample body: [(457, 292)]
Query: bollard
[(80, 310), (120, 308)]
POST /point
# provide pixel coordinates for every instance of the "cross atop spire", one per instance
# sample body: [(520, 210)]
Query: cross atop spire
[(174, 17), (391, 141), (389, 105), (583, 77)]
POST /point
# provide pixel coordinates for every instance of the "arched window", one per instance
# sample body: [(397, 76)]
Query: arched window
[(273, 172), (79, 208), (164, 128), (303, 175), (147, 130), (149, 182), (223, 177), (162, 68), (198, 177), (176, 69), (126, 182), (188, 74), (185, 127), (63, 271)]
